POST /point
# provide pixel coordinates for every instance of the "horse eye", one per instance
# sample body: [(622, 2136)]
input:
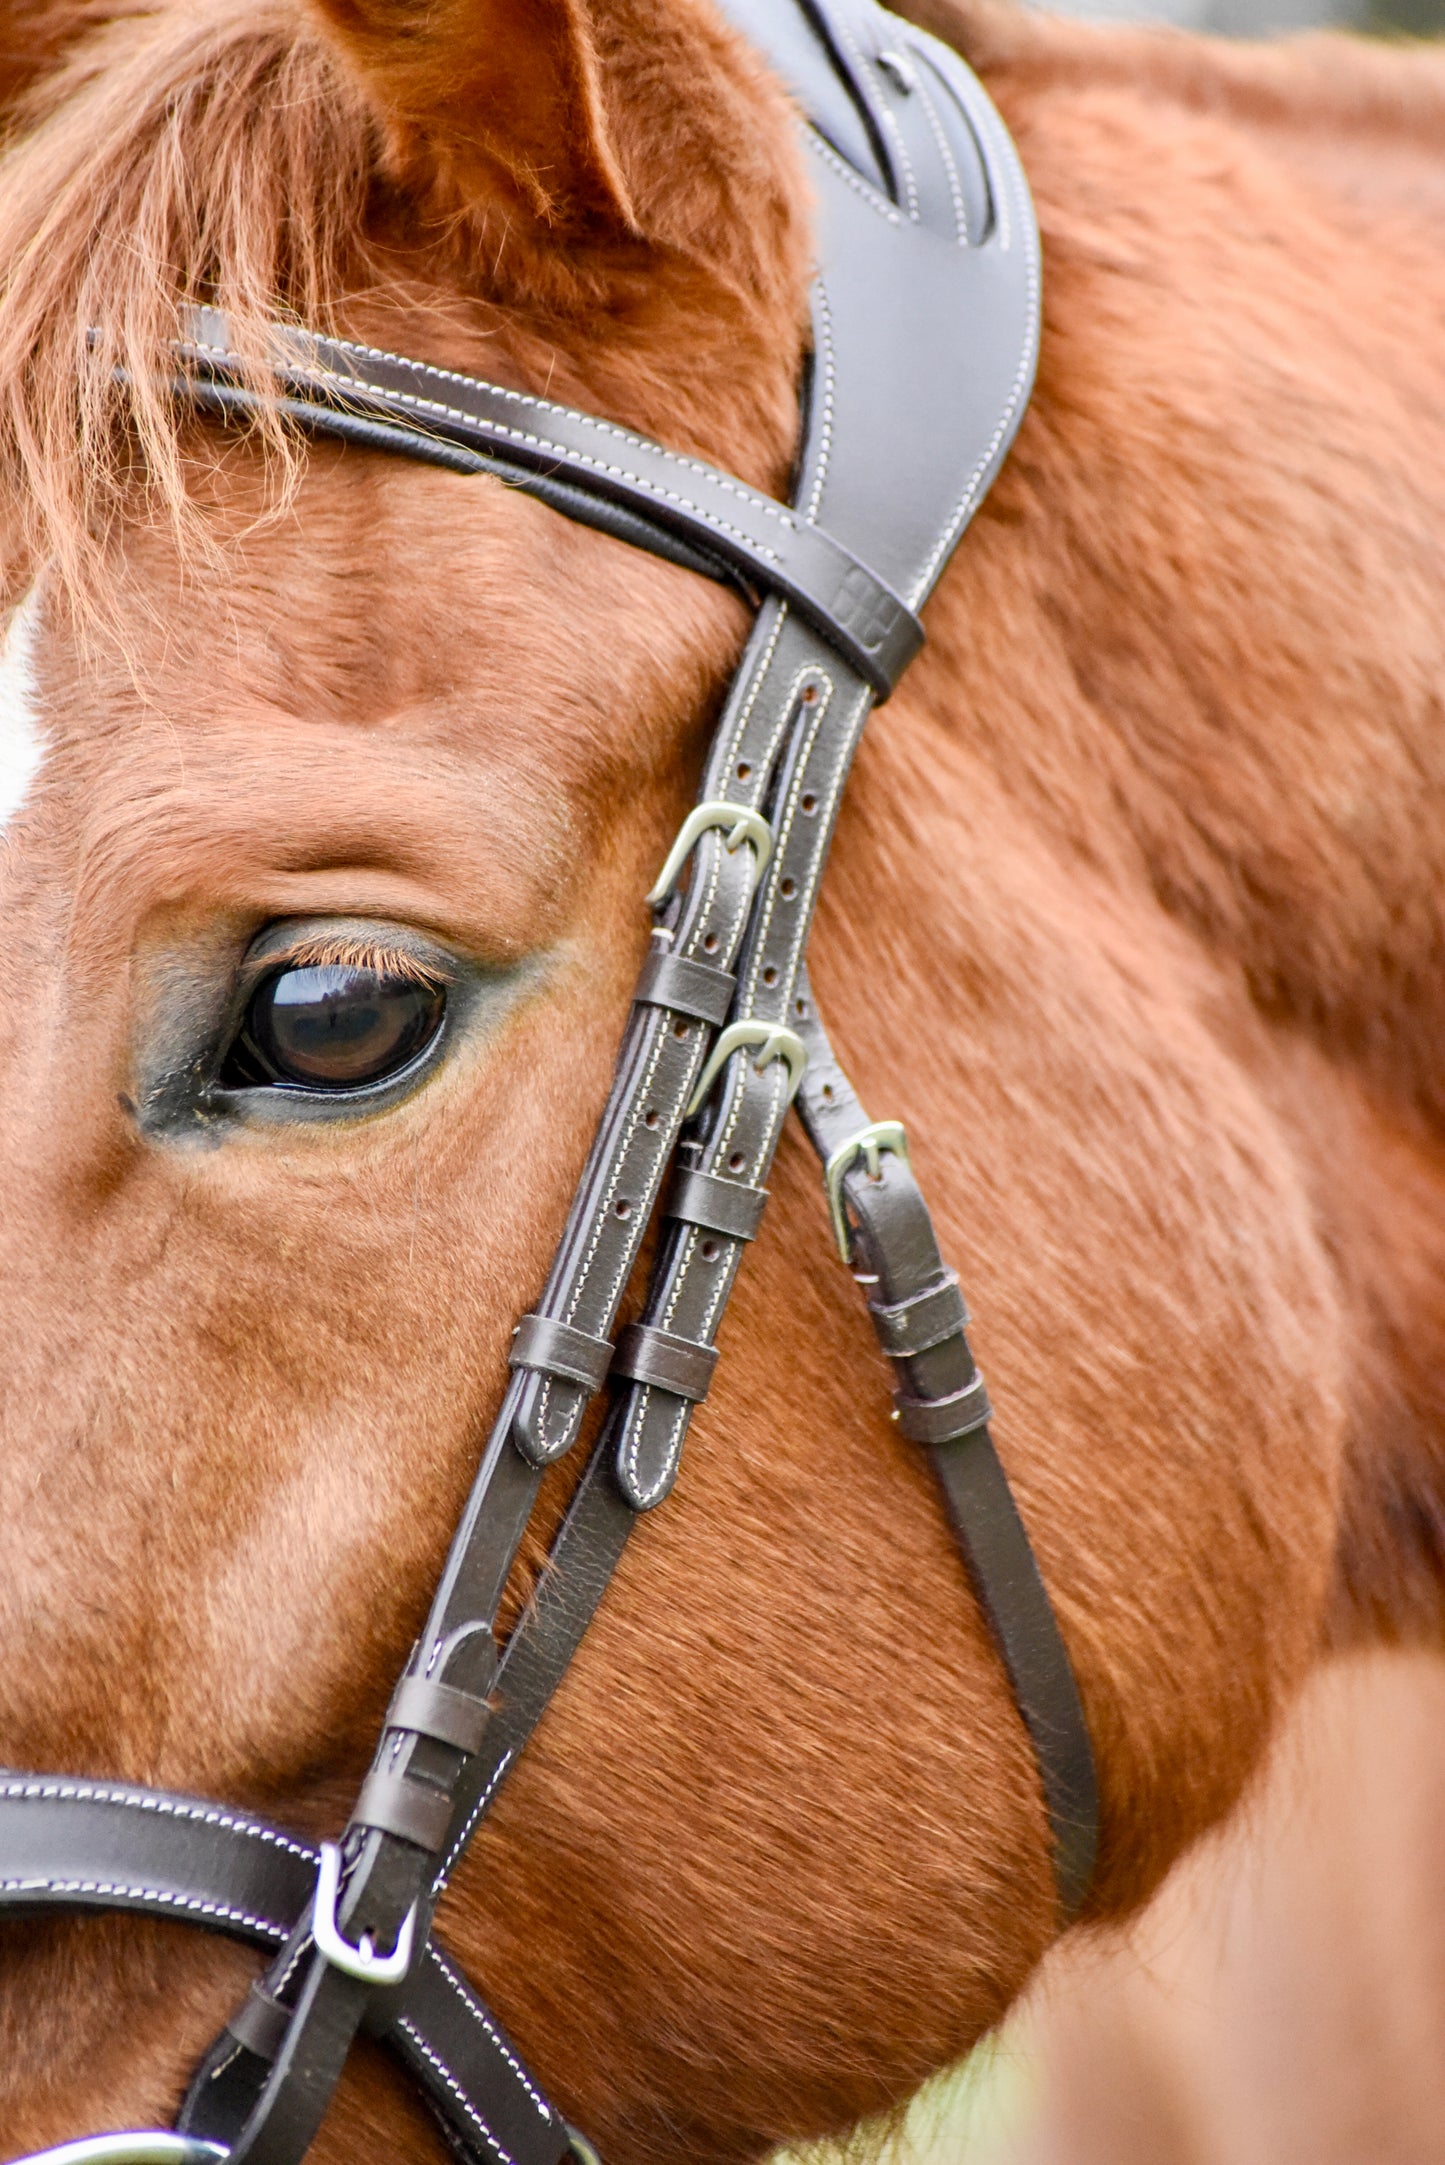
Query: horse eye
[(333, 1026)]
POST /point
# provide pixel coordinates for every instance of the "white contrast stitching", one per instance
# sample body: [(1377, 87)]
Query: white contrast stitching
[(165, 1807), (480, 2017), (968, 500), (317, 373), (881, 109), (945, 151), (782, 828), (449, 1862), (163, 1897), (841, 167), (505, 2156), (824, 360)]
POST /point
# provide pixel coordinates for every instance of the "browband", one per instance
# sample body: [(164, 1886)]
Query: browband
[(677, 507), (925, 316)]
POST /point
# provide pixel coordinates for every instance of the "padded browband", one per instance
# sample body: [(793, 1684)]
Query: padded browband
[(729, 528)]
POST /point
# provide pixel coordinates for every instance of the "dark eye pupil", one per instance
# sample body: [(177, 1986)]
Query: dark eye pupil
[(336, 1027)]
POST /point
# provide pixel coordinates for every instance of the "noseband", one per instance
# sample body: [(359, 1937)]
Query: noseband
[(925, 327)]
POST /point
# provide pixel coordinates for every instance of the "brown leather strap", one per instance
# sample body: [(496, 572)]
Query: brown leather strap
[(687, 987), (733, 1207), (395, 1804), (259, 2023), (431, 1709), (925, 1319), (940, 1420), (664, 1361), (559, 1349), (942, 1403)]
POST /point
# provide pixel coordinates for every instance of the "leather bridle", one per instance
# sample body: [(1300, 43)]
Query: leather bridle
[(925, 317)]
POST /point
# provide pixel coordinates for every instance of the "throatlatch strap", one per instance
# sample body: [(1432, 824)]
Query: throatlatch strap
[(941, 1403)]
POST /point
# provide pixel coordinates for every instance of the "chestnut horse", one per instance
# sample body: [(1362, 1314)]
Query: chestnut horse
[(1136, 921)]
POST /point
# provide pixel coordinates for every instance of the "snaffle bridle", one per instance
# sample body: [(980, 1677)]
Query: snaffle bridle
[(925, 317)]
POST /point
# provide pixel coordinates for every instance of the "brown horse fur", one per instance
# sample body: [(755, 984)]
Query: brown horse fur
[(1136, 919)]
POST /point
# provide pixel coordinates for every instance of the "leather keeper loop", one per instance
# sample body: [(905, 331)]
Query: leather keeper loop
[(944, 1420), (719, 1206), (431, 1709), (395, 1804), (661, 1358), (689, 988), (559, 1350), (259, 2024), (926, 1319)]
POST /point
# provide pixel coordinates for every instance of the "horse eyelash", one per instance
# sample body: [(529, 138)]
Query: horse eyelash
[(357, 953)]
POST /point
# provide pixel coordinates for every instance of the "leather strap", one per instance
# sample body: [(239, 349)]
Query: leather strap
[(558, 1349), (941, 1402), (71, 1845), (665, 1361), (928, 248), (413, 1811), (686, 986), (943, 1420), (430, 1709), (733, 1207), (769, 544)]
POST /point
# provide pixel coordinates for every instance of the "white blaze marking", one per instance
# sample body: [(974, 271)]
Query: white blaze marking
[(22, 742)]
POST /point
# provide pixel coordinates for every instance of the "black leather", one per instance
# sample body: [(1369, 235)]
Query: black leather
[(665, 1361), (716, 1206)]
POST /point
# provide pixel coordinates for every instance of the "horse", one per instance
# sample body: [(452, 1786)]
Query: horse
[(1134, 920)]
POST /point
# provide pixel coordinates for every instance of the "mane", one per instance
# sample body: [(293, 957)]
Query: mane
[(171, 158)]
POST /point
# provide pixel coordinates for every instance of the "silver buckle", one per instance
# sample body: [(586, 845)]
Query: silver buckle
[(743, 824), (140, 2148), (361, 1961), (777, 1042), (870, 1143)]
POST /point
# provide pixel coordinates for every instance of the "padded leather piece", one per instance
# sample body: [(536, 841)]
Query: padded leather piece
[(686, 986), (68, 1844)]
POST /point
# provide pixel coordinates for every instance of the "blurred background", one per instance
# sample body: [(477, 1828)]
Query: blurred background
[(1264, 18)]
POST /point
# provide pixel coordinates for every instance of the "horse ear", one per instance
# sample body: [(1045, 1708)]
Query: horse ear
[(488, 91)]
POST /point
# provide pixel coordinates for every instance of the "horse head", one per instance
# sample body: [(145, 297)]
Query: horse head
[(288, 724)]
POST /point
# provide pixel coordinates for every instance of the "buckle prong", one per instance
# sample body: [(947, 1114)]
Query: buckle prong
[(362, 1960), (869, 1144)]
